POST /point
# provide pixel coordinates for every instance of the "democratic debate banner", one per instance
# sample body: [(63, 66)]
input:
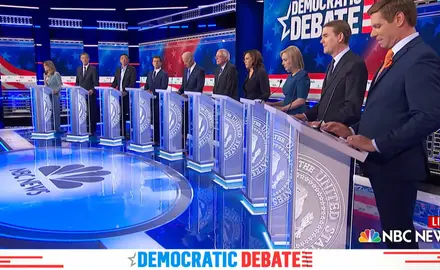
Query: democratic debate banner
[(300, 23), (203, 46)]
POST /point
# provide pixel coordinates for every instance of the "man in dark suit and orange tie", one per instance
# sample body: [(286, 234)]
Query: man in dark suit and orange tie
[(225, 76), (125, 77), (402, 109), (193, 75), (87, 77), (345, 83), (156, 79)]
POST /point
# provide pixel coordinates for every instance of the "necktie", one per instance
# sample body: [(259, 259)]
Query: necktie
[(187, 74), (221, 71), (84, 71), (332, 66), (154, 75), (388, 61)]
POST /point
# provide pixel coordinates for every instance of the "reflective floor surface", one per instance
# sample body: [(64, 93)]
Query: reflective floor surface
[(83, 195)]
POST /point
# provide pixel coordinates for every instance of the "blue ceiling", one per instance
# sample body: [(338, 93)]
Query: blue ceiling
[(132, 17)]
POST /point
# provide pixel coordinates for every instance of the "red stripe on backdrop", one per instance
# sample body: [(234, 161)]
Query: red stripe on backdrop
[(365, 16), (368, 2), (367, 29)]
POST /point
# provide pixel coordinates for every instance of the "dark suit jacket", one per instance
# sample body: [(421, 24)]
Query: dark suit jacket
[(350, 78), (401, 111), (226, 84), (257, 87), (196, 80), (89, 80), (129, 79), (159, 82)]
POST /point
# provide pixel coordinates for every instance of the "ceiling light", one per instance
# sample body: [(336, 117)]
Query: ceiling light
[(26, 7), (88, 9), (154, 8)]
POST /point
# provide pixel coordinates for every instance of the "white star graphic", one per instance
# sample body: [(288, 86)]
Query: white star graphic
[(282, 19)]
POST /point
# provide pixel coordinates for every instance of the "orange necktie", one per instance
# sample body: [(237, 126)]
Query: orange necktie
[(388, 61)]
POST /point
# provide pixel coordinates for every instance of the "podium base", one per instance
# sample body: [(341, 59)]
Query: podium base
[(170, 156), (140, 148), (230, 182), (42, 136), (77, 138), (274, 245), (202, 168), (254, 208), (110, 142)]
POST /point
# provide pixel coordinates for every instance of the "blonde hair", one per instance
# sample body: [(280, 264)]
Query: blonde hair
[(51, 66), (295, 56)]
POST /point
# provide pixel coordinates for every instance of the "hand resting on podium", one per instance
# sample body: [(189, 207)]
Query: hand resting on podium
[(357, 141)]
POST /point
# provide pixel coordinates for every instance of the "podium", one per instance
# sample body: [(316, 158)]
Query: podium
[(79, 118), (171, 118), (110, 105), (141, 132), (200, 132), (320, 169), (228, 142), (42, 112), (256, 157)]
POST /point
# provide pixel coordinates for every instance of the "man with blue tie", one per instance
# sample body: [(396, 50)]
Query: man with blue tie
[(156, 79), (402, 109), (193, 75), (125, 77)]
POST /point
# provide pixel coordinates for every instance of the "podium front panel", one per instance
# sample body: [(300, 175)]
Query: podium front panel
[(140, 116), (111, 112), (323, 207), (282, 150), (201, 128), (171, 114), (42, 109), (229, 136), (78, 111), (256, 153)]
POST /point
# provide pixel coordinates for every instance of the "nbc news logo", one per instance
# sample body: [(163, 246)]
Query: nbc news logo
[(397, 236), (73, 176), (63, 177)]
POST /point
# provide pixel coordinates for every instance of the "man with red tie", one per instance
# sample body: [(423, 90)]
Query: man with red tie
[(402, 109)]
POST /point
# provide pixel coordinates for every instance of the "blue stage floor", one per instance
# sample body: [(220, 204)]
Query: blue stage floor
[(83, 195)]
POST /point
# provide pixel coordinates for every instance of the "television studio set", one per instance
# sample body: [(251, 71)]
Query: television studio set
[(220, 134)]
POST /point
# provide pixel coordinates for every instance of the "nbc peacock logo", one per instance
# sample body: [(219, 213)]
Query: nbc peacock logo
[(369, 236), (73, 175)]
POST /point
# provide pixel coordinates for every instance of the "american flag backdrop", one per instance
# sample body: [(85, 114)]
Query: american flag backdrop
[(17, 63)]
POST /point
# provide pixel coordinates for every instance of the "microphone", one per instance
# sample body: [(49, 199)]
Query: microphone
[(330, 100), (279, 85)]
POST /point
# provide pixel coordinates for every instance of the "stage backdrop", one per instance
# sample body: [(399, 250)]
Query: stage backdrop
[(288, 23), (17, 68), (109, 54), (65, 54), (203, 46)]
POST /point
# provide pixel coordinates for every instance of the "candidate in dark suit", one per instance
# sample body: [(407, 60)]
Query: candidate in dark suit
[(345, 83), (193, 75), (402, 109), (256, 85), (87, 77), (156, 79), (225, 75), (193, 80), (125, 77)]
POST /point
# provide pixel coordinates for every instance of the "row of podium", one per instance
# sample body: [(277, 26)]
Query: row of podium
[(268, 154)]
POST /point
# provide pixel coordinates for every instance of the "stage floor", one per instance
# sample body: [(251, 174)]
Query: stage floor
[(57, 194)]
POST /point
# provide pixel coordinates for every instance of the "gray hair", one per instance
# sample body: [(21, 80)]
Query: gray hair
[(225, 53), (188, 55)]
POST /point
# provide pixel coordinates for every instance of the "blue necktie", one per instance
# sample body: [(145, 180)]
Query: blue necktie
[(188, 73)]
